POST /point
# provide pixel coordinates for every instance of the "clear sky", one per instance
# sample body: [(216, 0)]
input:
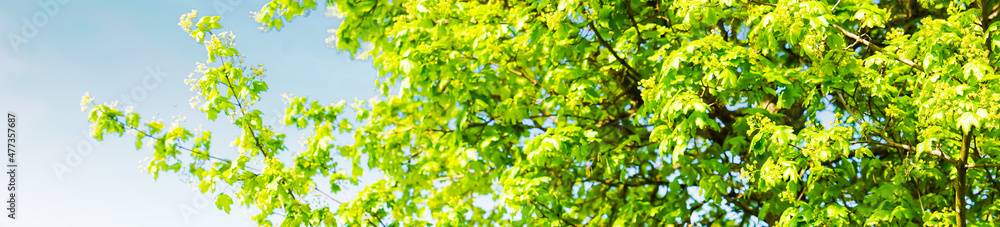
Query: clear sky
[(108, 48)]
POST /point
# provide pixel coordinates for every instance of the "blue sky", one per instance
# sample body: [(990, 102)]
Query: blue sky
[(108, 48)]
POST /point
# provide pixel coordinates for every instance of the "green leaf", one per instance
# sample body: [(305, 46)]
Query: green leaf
[(132, 120), (835, 41), (967, 121), (223, 201)]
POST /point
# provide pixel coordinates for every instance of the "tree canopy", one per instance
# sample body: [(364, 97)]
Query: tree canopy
[(615, 113)]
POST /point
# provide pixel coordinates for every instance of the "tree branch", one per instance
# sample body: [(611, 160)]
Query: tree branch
[(612, 50), (982, 165), (960, 186), (877, 48), (567, 222), (937, 153), (244, 110)]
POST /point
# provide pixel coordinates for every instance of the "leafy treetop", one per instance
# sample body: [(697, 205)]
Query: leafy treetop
[(618, 113)]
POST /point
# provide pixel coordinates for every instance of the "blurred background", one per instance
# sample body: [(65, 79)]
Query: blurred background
[(54, 51)]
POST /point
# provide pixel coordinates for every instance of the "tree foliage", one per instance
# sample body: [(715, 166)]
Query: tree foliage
[(623, 113)]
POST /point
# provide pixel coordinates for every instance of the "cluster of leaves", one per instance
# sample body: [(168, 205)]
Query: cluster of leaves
[(623, 113)]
